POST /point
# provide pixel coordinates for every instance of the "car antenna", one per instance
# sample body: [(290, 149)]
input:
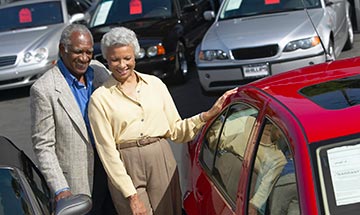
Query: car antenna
[(328, 56)]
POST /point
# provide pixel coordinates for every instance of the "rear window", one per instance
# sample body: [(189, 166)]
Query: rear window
[(338, 174), (336, 94), (30, 15)]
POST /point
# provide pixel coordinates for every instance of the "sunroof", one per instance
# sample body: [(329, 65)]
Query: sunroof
[(336, 94)]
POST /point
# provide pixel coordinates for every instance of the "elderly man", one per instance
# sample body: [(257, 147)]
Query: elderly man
[(61, 133)]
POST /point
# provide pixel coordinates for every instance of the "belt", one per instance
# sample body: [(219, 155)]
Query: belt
[(138, 143)]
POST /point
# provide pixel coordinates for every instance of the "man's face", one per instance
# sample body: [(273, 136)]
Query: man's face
[(77, 56)]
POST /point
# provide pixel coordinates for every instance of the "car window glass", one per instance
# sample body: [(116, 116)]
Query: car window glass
[(37, 184), (273, 188), (224, 147), (77, 6), (119, 11), (337, 167), (336, 94), (30, 15), (241, 8), (13, 199)]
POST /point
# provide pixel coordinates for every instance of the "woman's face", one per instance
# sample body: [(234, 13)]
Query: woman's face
[(121, 61)]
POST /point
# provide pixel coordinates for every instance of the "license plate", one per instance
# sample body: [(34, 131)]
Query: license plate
[(256, 70)]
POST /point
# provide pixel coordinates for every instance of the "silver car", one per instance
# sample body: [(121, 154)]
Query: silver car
[(29, 36), (251, 39)]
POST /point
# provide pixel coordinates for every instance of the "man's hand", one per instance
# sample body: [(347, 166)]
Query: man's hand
[(63, 194), (136, 205)]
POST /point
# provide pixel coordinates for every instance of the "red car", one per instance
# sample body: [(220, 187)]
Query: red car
[(286, 144)]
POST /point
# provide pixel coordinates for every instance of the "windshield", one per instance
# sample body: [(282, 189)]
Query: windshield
[(243, 8), (30, 15), (119, 11)]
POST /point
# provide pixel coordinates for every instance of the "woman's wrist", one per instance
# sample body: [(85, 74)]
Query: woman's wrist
[(204, 117)]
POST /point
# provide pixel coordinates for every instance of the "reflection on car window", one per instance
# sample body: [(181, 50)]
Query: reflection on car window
[(12, 195), (76, 6), (37, 183), (224, 147), (31, 15), (337, 94), (120, 11), (273, 188), (242, 8)]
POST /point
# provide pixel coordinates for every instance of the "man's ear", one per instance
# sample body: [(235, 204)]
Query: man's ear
[(61, 49)]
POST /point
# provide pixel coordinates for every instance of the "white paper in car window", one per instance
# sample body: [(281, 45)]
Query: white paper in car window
[(344, 165), (233, 5), (103, 13)]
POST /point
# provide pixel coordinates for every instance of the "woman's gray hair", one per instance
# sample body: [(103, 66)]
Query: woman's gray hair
[(68, 30), (119, 36)]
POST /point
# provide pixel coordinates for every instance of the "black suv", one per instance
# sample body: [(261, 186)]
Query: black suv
[(168, 31)]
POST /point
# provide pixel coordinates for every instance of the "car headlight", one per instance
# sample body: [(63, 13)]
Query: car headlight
[(141, 53), (151, 51), (302, 44), (36, 56), (210, 55)]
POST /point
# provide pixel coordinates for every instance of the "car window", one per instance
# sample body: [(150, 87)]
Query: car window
[(38, 185), (224, 147), (77, 6), (119, 11), (336, 94), (241, 8), (30, 15), (13, 199), (337, 168), (273, 188)]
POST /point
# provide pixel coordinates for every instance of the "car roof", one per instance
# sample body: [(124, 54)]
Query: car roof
[(11, 155), (318, 122)]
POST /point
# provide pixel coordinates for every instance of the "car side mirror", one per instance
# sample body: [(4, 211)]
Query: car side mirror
[(74, 205), (209, 15), (77, 17)]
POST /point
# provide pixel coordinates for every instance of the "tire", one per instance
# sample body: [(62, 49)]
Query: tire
[(181, 65)]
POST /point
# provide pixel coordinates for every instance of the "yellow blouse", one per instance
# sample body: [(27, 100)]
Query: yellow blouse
[(116, 118)]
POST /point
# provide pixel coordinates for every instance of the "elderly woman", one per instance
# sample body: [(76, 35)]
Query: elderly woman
[(132, 115)]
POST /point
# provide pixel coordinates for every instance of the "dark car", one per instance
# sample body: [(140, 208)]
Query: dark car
[(285, 144), (23, 189), (168, 31)]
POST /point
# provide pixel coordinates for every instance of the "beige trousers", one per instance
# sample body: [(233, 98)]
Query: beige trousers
[(155, 176)]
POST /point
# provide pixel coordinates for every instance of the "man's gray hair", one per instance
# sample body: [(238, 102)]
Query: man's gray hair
[(119, 36), (68, 30)]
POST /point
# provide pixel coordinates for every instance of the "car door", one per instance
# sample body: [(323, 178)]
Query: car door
[(337, 9), (272, 186), (221, 159)]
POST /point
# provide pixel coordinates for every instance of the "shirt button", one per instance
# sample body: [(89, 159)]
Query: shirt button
[(138, 91), (141, 134), (142, 120)]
